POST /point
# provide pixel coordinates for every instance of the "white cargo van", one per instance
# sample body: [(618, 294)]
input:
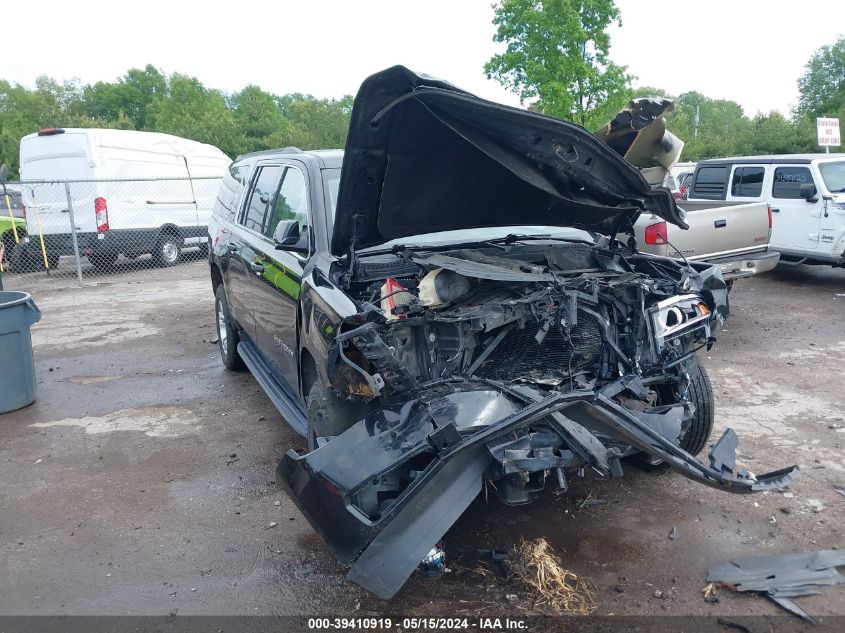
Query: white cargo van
[(806, 193), (132, 192)]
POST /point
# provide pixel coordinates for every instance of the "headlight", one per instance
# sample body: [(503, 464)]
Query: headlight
[(677, 316)]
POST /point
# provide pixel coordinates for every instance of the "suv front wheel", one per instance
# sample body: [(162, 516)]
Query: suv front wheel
[(227, 331)]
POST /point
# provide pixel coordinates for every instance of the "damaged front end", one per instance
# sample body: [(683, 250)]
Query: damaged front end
[(512, 363)]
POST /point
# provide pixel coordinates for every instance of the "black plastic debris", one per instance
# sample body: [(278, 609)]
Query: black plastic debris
[(783, 576), (723, 454)]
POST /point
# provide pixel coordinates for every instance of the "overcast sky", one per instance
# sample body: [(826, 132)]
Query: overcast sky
[(751, 51)]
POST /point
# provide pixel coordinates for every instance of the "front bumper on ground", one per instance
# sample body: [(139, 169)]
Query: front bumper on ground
[(384, 550), (735, 267)]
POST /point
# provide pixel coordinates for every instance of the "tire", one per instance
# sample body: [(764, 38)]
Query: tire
[(168, 249), (9, 243), (701, 426), (103, 261), (227, 332), (329, 415)]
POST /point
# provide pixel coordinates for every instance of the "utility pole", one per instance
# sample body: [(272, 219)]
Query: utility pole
[(697, 119)]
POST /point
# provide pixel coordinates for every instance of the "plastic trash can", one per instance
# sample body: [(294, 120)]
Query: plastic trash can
[(17, 370)]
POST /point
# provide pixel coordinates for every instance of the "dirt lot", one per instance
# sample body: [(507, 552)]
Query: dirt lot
[(142, 479)]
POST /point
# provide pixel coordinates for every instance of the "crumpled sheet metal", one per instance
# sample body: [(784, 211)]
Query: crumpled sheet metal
[(782, 576), (383, 553)]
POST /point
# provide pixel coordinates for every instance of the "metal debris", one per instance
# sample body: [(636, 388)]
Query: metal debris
[(782, 576)]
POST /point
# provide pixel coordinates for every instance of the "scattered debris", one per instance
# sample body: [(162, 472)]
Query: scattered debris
[(673, 533), (840, 488), (658, 593), (782, 576), (590, 501), (433, 564), (815, 505), (710, 593), (535, 564), (272, 525), (786, 510)]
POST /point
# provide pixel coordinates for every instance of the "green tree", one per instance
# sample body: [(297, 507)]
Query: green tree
[(558, 54), (259, 119), (319, 123), (130, 95), (193, 111), (822, 86)]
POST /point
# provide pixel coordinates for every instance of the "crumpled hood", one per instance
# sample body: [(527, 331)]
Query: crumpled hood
[(424, 156)]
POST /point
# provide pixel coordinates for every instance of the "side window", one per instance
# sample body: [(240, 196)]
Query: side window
[(291, 203), (788, 181), (747, 182), (261, 197), (709, 182)]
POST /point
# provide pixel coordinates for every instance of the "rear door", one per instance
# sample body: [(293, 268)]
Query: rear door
[(246, 244), (278, 276), (53, 157), (795, 222)]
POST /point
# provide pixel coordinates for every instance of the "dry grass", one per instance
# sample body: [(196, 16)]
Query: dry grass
[(535, 564)]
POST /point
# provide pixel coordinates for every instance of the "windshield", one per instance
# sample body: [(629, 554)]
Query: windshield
[(833, 175)]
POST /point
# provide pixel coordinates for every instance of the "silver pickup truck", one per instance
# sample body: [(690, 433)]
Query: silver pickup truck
[(734, 236)]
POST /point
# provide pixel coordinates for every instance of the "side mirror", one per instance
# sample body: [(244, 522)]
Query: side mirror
[(4, 175), (808, 192), (288, 238)]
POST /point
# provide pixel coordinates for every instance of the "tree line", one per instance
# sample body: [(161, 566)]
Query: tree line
[(574, 80), (145, 99), (557, 60)]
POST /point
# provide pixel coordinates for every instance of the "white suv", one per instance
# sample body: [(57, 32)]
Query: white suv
[(806, 193)]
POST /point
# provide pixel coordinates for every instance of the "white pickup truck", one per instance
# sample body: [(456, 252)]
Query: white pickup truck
[(806, 193), (733, 235)]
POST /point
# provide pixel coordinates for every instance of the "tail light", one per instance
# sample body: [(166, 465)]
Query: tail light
[(101, 211), (770, 218), (656, 233)]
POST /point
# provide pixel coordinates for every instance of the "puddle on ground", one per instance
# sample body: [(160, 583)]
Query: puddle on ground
[(160, 421)]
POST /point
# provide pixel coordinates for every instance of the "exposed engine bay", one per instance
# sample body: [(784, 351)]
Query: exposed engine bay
[(514, 362), (554, 315)]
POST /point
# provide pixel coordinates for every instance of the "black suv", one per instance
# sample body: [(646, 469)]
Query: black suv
[(459, 303)]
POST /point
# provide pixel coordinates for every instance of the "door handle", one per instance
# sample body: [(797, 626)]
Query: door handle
[(257, 268), (720, 224), (775, 210)]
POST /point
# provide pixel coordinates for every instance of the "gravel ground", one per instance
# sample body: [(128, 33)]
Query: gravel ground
[(142, 479)]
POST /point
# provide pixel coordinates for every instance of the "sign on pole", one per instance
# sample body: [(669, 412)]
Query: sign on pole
[(828, 132)]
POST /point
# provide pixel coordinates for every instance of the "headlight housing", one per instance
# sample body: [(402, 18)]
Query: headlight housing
[(679, 316)]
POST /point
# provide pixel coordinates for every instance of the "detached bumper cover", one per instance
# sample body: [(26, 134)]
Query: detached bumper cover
[(384, 549)]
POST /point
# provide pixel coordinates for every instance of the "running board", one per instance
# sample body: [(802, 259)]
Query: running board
[(279, 396), (791, 262)]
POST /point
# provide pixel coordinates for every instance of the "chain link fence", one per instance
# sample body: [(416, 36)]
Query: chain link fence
[(73, 232)]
